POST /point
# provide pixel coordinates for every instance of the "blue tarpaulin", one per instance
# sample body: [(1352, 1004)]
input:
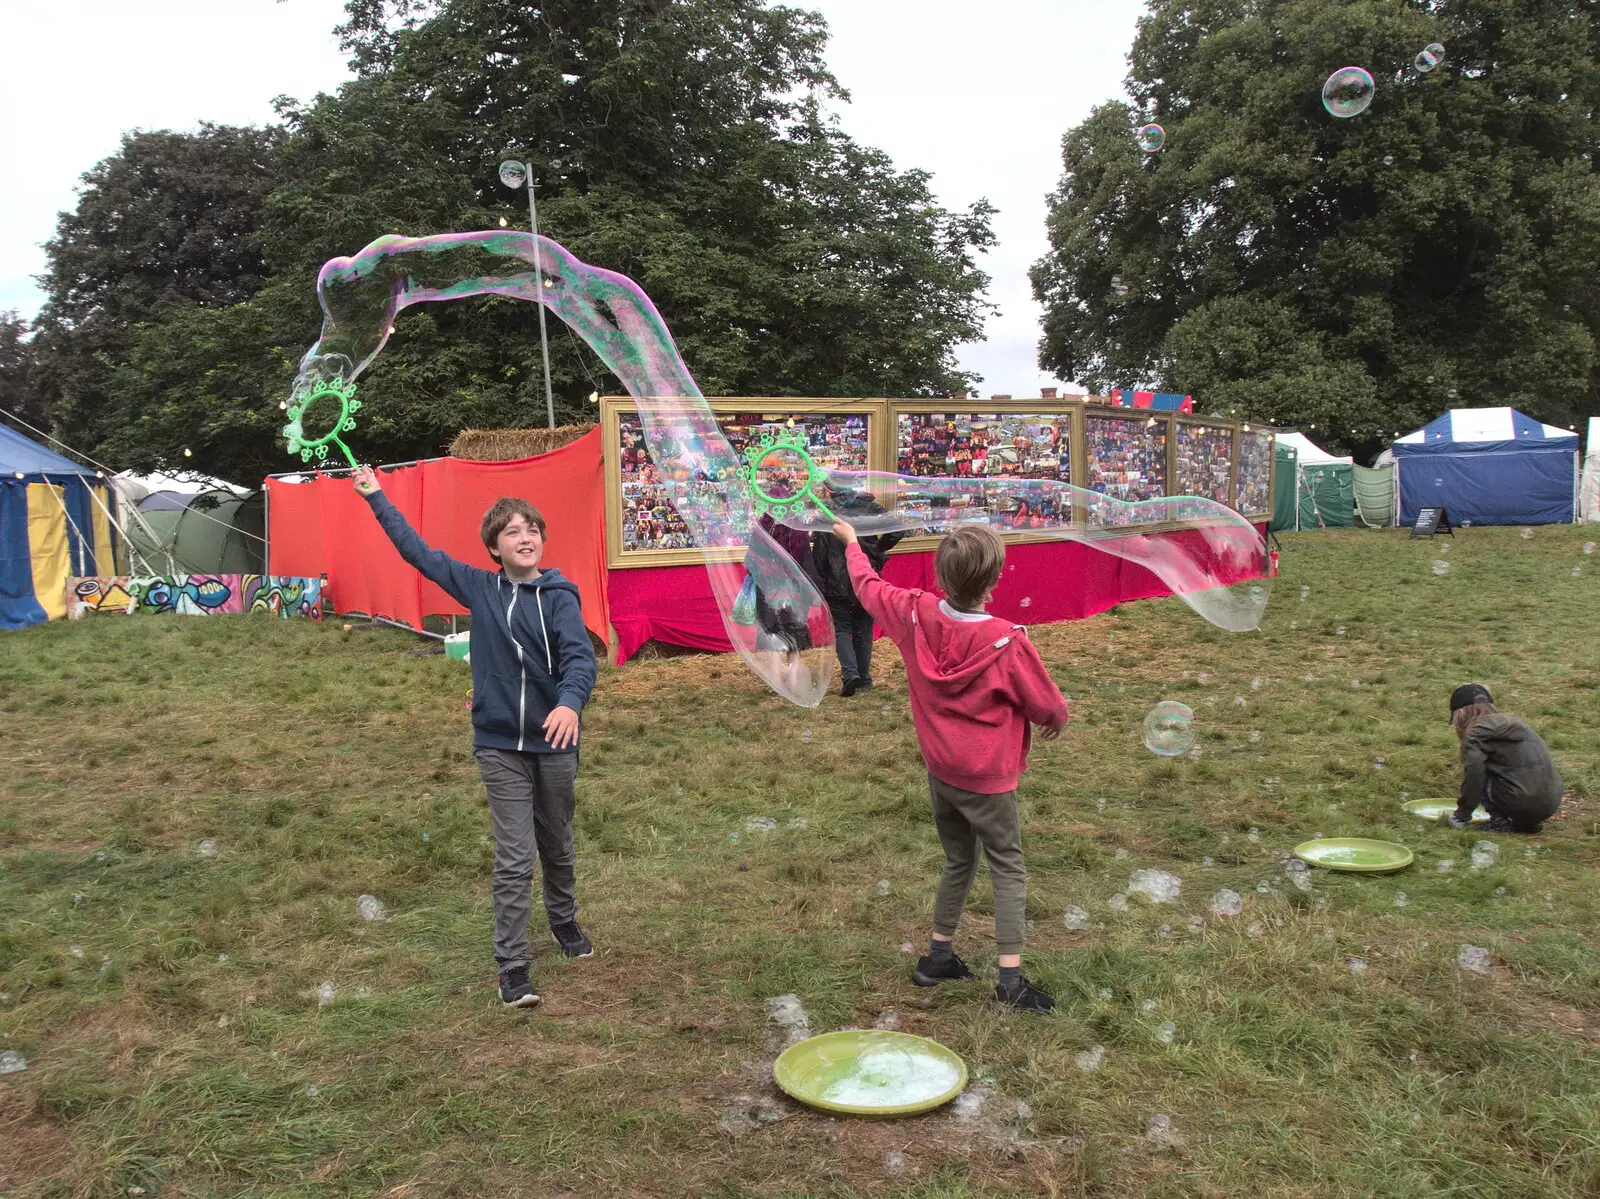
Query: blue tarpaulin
[(1489, 466)]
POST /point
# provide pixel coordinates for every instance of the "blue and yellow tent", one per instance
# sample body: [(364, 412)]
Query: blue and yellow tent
[(55, 522)]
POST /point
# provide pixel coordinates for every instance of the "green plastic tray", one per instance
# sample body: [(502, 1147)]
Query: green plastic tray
[(1437, 809), (1357, 854), (870, 1072)]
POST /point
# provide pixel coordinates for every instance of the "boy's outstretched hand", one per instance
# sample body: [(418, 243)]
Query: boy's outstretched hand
[(844, 531), (1049, 732), (561, 727), (367, 480)]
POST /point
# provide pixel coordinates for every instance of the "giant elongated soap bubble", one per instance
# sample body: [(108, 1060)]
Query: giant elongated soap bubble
[(1198, 549)]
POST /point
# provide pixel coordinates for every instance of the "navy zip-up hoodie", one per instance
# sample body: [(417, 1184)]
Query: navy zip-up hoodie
[(530, 651)]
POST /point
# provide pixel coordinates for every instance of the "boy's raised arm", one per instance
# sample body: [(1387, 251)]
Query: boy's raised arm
[(889, 605), (434, 565)]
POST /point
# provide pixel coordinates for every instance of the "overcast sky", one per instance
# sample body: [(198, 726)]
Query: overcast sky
[(977, 94)]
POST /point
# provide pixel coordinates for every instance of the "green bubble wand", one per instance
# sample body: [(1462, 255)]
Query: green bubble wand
[(780, 506), (317, 447)]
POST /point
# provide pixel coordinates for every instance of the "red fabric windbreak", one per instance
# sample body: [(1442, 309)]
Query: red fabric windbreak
[(1060, 580), (323, 527)]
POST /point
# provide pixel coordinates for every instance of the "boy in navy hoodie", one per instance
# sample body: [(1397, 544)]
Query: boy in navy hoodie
[(532, 671)]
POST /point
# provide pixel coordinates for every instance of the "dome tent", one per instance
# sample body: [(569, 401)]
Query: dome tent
[(55, 522), (1324, 485), (192, 524), (1489, 466)]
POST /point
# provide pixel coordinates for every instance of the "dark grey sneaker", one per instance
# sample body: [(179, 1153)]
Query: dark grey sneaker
[(516, 990), (1025, 997), (930, 973), (572, 941)]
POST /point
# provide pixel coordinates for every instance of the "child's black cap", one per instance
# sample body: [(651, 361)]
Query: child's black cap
[(1468, 694)]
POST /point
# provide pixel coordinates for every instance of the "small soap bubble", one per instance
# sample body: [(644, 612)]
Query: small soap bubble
[(1255, 683), (805, 737), (1166, 1032), (1027, 601), (1263, 887), (1429, 57), (1118, 286), (1197, 922), (325, 993), (1208, 860), (371, 908), (1441, 567), (1256, 929), (1305, 593), (1254, 834), (1348, 92), (312, 1091), (1151, 138), (1105, 992), (1588, 547), (1239, 701), (1075, 918), (1473, 958), (1388, 160), (1499, 890), (1356, 965), (1451, 393), (1380, 763), (1090, 1060), (1118, 902), (1525, 534), (1120, 854), (1169, 729), (206, 848), (1577, 572), (1099, 805), (75, 950), (1484, 855), (760, 824), (1446, 866), (1226, 903), (12, 1062), (1339, 632), (1160, 1132), (882, 887)]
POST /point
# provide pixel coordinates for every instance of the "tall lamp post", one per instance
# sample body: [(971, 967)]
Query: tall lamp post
[(515, 174)]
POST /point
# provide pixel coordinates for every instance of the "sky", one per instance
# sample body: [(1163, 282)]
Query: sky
[(981, 104)]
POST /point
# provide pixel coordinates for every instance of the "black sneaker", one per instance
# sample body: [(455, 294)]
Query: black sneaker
[(850, 687), (863, 685), (930, 973), (572, 941), (1025, 997), (516, 990), (1500, 824)]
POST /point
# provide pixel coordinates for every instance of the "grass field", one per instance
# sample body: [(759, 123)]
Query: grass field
[(166, 1002)]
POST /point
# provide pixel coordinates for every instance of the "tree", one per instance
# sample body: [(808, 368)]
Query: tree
[(680, 143), (171, 220), (1440, 249), (18, 392)]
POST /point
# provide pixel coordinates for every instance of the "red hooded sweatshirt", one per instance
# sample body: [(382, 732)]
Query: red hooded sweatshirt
[(976, 685)]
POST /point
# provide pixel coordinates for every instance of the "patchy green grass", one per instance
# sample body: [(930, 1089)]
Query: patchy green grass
[(184, 1051)]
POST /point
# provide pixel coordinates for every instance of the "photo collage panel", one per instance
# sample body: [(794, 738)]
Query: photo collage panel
[(651, 519), (1205, 462), (1019, 448), (1127, 460), (1255, 472)]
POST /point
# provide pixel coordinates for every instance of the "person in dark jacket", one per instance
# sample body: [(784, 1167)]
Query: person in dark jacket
[(533, 668), (852, 624), (1506, 766)]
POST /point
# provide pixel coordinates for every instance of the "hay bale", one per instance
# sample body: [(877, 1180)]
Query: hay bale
[(506, 445)]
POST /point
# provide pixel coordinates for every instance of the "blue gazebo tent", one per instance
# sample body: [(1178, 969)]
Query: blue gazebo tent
[(54, 523), (1489, 466)]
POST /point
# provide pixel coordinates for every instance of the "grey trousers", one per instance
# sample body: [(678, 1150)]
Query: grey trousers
[(531, 797), (966, 820)]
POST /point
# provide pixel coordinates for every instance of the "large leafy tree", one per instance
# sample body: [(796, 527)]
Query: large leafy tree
[(680, 143), (19, 392), (1440, 249), (171, 221)]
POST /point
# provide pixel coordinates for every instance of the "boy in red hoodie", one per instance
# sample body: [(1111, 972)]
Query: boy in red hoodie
[(977, 685)]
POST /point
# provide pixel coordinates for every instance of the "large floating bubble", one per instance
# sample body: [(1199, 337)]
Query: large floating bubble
[(748, 513), (1348, 91), (1169, 729), (1151, 138), (1429, 57)]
